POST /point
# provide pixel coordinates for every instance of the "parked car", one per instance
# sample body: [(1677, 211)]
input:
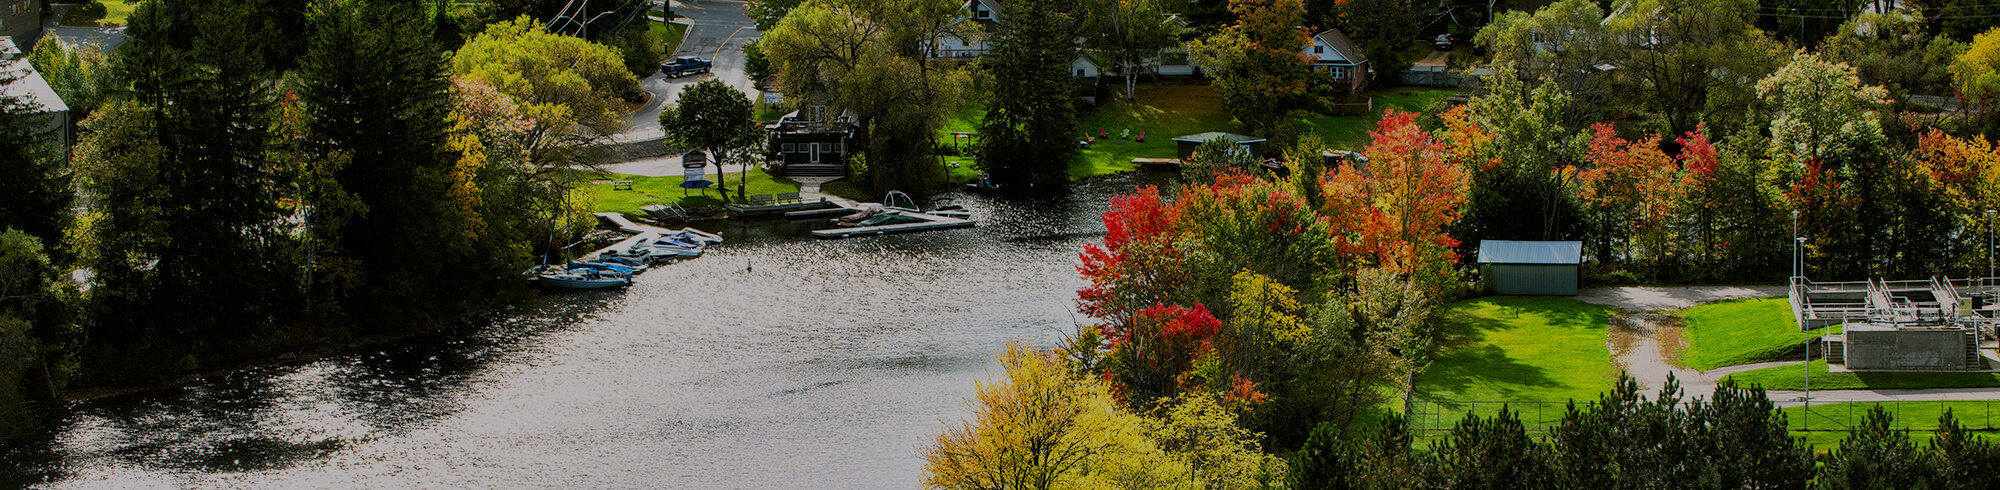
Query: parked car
[(1443, 42), (684, 65)]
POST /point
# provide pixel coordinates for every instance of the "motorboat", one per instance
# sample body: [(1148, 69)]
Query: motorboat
[(583, 279)]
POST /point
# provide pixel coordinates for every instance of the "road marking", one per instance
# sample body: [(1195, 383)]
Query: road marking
[(725, 42)]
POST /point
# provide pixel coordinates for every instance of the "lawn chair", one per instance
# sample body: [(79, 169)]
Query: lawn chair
[(1101, 133), (1141, 138)]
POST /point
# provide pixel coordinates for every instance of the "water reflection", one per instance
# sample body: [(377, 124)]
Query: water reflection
[(777, 360)]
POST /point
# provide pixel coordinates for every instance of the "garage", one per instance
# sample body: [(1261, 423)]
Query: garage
[(1530, 268)]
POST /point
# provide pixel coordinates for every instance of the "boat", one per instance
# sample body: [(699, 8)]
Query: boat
[(949, 209), (696, 235), (605, 267), (582, 279), (982, 184)]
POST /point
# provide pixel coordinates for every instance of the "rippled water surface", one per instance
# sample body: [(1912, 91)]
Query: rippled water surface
[(775, 361)]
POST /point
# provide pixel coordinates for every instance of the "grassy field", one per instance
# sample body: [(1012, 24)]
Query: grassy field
[(1741, 332), (1162, 112), (666, 190), (1829, 422), (115, 13), (1351, 132), (671, 34), (1789, 378), (1518, 348)]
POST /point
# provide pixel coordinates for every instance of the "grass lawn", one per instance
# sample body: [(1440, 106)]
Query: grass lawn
[(1162, 112), (667, 190), (115, 12), (1350, 132), (1741, 332), (1829, 422), (1789, 378), (1518, 348), (670, 33)]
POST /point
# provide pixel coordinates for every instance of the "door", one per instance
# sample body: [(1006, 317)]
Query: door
[(815, 153)]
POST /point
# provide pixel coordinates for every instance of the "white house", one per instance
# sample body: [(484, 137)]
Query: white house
[(1334, 54), (24, 83)]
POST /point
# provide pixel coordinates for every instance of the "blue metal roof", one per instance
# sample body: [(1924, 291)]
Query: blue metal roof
[(1515, 252)]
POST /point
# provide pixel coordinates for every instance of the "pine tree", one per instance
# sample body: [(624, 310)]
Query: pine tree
[(1029, 135)]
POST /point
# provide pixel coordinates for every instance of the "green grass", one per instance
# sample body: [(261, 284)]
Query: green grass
[(668, 191), (115, 13), (1519, 348), (1350, 132), (1829, 422), (670, 34), (1789, 378), (1741, 332), (1162, 112)]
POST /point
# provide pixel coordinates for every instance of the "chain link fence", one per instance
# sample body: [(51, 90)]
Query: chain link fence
[(1824, 415)]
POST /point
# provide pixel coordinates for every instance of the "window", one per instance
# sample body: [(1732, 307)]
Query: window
[(982, 13), (1339, 72), (1174, 59), (1079, 72), (1317, 49), (840, 148), (790, 148)]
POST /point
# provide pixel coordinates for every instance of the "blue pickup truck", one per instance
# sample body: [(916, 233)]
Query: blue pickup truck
[(683, 66)]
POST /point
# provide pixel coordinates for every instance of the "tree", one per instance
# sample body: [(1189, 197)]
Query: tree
[(1965, 461), (35, 197), (1896, 53), (570, 88), (712, 115), (376, 98), (1691, 61), (1874, 455), (1565, 45), (767, 13), (1534, 166), (870, 57), (81, 75), (1805, 23), (1413, 188), (1493, 453), (1028, 137), (1976, 72), (1129, 34), (1385, 29), (1824, 112), (1257, 64), (1633, 187)]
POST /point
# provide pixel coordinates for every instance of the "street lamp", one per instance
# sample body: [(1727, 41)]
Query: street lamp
[(1796, 240), (1989, 243)]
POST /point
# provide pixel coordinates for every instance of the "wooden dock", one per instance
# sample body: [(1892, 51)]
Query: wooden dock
[(931, 222), (750, 209), (1157, 162)]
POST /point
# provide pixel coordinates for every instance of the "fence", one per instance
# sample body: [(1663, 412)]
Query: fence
[(1434, 76), (1825, 416)]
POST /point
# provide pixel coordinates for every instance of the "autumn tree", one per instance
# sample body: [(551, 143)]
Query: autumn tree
[(870, 57), (1411, 191), (570, 88), (1632, 186), (711, 115), (1976, 72), (1258, 66), (1028, 136)]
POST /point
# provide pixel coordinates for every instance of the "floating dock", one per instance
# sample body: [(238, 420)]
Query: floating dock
[(1157, 162), (750, 209), (931, 222)]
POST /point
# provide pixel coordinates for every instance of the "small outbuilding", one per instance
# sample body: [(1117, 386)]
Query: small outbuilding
[(1530, 268), (1250, 144)]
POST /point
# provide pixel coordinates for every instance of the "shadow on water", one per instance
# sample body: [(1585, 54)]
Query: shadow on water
[(825, 361)]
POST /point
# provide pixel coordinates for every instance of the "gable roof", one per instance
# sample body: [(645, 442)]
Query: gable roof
[(1333, 38), (992, 5), (29, 85), (1516, 252)]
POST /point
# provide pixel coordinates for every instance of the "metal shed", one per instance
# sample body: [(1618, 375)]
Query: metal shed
[(1530, 268)]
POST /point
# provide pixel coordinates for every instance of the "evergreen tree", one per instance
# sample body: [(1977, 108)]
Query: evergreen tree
[(1964, 460), (1876, 456), (374, 86), (1029, 135)]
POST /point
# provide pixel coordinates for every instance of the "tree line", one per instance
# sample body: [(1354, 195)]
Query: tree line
[(249, 178)]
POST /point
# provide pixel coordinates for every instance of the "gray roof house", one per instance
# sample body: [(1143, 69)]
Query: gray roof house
[(26, 84), (1334, 54), (1530, 268)]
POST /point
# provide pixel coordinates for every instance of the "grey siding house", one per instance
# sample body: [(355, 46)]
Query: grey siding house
[(1530, 268)]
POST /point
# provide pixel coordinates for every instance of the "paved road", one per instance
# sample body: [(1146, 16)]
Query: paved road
[(717, 30), (106, 38)]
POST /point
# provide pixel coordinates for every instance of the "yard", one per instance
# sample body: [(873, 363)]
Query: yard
[(1516, 349), (666, 190), (670, 34), (1829, 422), (1741, 332), (1791, 378), (115, 13)]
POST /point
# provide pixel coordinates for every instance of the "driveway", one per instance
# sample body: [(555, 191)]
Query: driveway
[(717, 30), (105, 38)]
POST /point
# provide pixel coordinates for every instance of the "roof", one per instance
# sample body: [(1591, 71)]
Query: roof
[(1514, 252), (1232, 137), (1337, 40), (990, 5), (30, 86)]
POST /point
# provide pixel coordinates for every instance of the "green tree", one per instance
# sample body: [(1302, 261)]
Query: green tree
[(1564, 44), (1257, 66), (571, 89), (376, 98), (1490, 453), (1874, 455), (711, 115), (869, 57), (1029, 134), (1965, 461), (1896, 53), (81, 75), (1824, 112), (1538, 157), (1385, 29), (1691, 61), (1129, 34), (767, 13)]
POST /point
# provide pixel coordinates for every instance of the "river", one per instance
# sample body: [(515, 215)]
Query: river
[(774, 361)]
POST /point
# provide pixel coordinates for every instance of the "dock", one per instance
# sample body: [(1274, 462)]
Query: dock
[(617, 220), (1157, 162), (751, 209), (931, 222)]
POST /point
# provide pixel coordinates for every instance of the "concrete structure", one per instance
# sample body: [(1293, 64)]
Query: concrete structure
[(1870, 347), (1252, 144), (1530, 268), (1333, 54), (22, 20)]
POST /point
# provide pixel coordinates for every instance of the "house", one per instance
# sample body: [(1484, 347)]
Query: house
[(1185, 145), (983, 13), (22, 20), (29, 86), (1530, 268), (812, 136), (1333, 54), (1088, 77)]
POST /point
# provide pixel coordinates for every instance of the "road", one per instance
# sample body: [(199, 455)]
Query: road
[(717, 30)]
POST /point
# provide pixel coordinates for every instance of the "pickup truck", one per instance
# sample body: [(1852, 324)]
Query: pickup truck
[(684, 65)]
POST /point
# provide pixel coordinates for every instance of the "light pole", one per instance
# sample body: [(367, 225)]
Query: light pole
[(1989, 243), (1796, 265)]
